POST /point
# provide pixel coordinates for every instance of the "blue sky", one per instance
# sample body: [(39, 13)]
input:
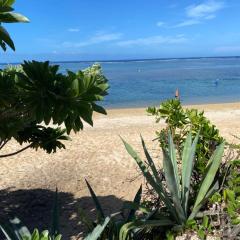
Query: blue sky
[(126, 29)]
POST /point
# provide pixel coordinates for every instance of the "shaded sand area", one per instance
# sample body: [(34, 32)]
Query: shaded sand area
[(28, 180)]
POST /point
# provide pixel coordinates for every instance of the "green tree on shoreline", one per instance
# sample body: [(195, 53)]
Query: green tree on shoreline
[(35, 95)]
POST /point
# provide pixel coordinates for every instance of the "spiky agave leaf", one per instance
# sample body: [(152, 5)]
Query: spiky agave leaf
[(187, 168), (98, 230), (173, 159), (136, 200), (208, 180), (157, 186), (173, 187), (98, 206), (150, 161)]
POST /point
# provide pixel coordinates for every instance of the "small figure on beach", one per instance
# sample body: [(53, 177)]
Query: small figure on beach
[(216, 82), (177, 95)]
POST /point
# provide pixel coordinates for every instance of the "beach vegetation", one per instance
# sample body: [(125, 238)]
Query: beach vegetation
[(40, 106), (214, 210), (196, 191), (211, 211), (113, 229), (178, 203), (180, 121), (8, 16)]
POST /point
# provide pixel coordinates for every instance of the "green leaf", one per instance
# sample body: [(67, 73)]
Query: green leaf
[(201, 234), (96, 202), (96, 233), (99, 109), (187, 168), (137, 200), (5, 37), (58, 237), (150, 162), (126, 229), (173, 159), (8, 3), (157, 186), (19, 228), (75, 87), (8, 17), (215, 161), (211, 191), (35, 235), (4, 9), (44, 235), (136, 207), (173, 186), (205, 221)]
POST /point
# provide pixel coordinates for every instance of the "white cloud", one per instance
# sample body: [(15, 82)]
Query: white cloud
[(204, 10), (73, 29), (154, 40), (188, 23), (199, 13), (228, 49), (100, 37), (210, 16), (160, 24)]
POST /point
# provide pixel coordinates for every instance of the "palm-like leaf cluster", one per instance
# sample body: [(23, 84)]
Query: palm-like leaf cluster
[(8, 16), (37, 94)]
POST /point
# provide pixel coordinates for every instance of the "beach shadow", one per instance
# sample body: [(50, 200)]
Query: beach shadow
[(34, 208)]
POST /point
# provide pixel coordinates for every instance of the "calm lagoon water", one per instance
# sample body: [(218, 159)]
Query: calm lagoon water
[(148, 82)]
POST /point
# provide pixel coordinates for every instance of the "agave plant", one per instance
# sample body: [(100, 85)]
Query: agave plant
[(108, 227), (176, 193)]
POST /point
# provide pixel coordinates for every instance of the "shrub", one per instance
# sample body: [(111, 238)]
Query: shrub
[(182, 121), (113, 223), (175, 194), (36, 94)]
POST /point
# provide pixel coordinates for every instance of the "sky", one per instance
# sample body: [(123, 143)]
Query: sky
[(65, 30)]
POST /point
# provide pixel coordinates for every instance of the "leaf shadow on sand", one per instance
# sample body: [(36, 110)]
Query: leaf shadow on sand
[(34, 208)]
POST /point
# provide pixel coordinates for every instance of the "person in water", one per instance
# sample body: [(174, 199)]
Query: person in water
[(216, 82), (177, 95)]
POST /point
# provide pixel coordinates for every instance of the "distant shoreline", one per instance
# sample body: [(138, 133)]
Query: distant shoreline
[(133, 60), (212, 105)]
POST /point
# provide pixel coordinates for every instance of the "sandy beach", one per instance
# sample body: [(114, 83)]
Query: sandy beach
[(28, 180)]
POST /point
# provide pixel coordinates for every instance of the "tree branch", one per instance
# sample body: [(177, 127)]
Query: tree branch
[(14, 153)]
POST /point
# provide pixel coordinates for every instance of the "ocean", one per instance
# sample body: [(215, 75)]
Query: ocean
[(142, 83)]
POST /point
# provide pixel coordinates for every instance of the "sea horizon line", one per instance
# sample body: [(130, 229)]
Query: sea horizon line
[(131, 60)]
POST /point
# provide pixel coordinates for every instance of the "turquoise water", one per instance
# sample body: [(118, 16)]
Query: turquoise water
[(148, 82)]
